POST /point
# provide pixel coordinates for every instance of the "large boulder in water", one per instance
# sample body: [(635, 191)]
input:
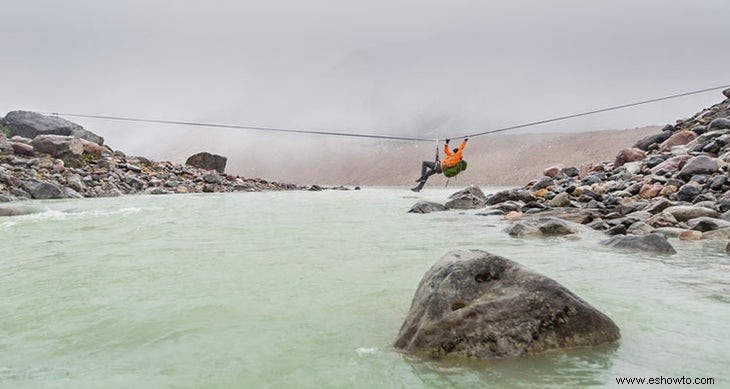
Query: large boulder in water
[(31, 124), (471, 190), (478, 305), (208, 161), (468, 198)]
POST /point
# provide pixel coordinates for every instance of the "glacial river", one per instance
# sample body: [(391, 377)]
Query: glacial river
[(309, 289)]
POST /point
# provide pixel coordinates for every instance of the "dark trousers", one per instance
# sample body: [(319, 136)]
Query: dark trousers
[(428, 168)]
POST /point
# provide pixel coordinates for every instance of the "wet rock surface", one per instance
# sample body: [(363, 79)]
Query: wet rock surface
[(475, 304), (426, 207)]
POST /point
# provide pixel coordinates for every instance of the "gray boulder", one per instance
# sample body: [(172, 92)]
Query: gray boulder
[(661, 219), (719, 123), (471, 190), (639, 228), (659, 205), (212, 178), (573, 215), (700, 164), (646, 142), (475, 304), (42, 190), (561, 200), (570, 171), (669, 232), (543, 226), (426, 207), (705, 224), (654, 243), (686, 212), (31, 124), (689, 191), (465, 201), (58, 145), (208, 161), (75, 182), (510, 195)]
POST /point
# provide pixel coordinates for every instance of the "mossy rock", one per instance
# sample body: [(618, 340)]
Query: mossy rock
[(79, 161)]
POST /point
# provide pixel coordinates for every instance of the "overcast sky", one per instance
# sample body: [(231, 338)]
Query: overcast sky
[(401, 67)]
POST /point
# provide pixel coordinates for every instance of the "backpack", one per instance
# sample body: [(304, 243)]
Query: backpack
[(456, 169)]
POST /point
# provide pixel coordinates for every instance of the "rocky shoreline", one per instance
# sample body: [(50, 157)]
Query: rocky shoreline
[(673, 184), (47, 157)]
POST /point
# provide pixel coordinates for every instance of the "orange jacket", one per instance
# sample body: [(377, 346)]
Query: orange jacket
[(452, 158)]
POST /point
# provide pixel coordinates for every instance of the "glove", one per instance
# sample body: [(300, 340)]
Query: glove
[(447, 141)]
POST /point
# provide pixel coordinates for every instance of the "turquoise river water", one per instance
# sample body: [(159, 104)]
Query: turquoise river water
[(309, 289)]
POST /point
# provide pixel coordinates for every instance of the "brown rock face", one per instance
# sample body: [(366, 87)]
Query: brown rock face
[(208, 161), (649, 191), (628, 155), (552, 171), (58, 145), (672, 164), (677, 139), (478, 305)]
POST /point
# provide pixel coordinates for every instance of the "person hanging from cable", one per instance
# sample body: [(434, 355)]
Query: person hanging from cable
[(452, 164)]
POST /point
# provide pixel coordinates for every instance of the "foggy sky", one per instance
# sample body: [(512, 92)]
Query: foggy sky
[(431, 68)]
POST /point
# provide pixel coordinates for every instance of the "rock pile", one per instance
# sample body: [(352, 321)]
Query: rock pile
[(674, 183), (46, 157)]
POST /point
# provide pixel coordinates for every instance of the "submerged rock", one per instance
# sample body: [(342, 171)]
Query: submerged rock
[(543, 226), (469, 198), (426, 207), (655, 243), (478, 305), (13, 211), (465, 201)]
